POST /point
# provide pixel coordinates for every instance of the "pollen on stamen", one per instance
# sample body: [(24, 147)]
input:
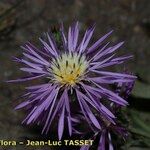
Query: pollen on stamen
[(71, 70)]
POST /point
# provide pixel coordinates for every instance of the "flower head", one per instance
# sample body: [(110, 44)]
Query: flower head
[(105, 134), (73, 68), (68, 69)]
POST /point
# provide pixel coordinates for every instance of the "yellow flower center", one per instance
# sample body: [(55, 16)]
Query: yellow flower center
[(69, 68)]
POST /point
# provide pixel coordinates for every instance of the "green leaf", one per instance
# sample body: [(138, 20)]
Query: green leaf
[(139, 127), (143, 73), (138, 148), (141, 90), (140, 123)]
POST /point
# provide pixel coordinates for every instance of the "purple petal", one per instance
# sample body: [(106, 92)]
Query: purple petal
[(87, 36), (40, 51), (112, 96), (36, 54), (48, 48), (122, 58), (107, 111), (47, 125), (63, 37), (115, 47), (109, 80), (52, 44), (26, 78), (96, 56), (35, 59), (114, 74), (88, 111), (68, 111), (58, 107), (115, 61), (98, 43), (43, 106), (16, 59), (38, 86), (98, 64), (23, 104), (110, 142), (70, 40), (85, 147), (100, 106), (83, 111), (30, 70), (75, 35), (33, 65), (107, 51), (102, 141), (61, 124)]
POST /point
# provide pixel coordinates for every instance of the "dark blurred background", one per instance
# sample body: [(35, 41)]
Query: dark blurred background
[(27, 20)]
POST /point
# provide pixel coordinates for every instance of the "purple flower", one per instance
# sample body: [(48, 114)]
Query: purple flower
[(104, 135), (74, 71)]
